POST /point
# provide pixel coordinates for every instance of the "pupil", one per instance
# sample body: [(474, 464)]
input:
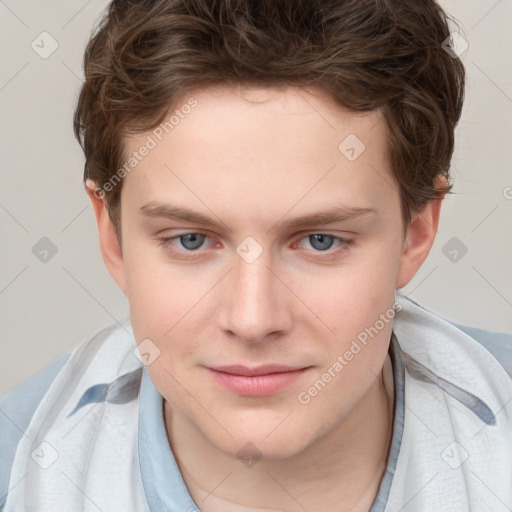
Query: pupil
[(325, 241), (192, 241)]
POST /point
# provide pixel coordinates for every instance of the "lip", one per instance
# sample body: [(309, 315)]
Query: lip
[(257, 381)]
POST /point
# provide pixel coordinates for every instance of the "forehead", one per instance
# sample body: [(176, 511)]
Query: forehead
[(262, 148)]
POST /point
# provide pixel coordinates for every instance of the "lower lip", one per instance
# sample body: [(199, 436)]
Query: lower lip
[(257, 385)]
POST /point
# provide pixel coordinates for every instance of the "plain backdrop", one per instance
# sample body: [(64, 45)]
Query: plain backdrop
[(54, 289)]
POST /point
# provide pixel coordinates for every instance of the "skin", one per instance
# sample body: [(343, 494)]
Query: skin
[(252, 160)]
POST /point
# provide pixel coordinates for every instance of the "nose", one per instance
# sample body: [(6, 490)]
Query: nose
[(255, 305)]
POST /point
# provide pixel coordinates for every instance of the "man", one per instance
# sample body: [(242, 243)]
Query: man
[(265, 176)]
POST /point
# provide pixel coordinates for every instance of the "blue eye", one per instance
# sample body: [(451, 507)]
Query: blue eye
[(189, 245), (321, 242), (191, 241)]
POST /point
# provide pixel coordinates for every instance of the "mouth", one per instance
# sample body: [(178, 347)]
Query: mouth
[(257, 381)]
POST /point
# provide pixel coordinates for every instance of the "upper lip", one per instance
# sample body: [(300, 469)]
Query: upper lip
[(256, 370)]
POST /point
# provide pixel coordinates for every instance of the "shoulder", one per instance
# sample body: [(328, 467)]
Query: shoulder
[(414, 322), (16, 410), (499, 344), (19, 405)]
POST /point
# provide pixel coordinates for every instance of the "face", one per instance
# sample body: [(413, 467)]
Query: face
[(261, 237)]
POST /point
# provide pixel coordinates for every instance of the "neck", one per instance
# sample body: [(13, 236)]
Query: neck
[(339, 472)]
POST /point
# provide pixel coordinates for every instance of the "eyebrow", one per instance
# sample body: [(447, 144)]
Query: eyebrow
[(330, 216)]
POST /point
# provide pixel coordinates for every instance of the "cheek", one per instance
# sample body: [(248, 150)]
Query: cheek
[(158, 296), (352, 297), (361, 316), (357, 306), (164, 308)]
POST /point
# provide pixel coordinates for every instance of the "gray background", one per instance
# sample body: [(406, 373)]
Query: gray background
[(48, 307)]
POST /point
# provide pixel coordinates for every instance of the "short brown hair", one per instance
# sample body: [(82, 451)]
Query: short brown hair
[(365, 54)]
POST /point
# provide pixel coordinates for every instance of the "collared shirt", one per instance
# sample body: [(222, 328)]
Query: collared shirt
[(157, 476)]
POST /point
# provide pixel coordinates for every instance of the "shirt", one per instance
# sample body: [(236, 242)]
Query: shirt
[(157, 480)]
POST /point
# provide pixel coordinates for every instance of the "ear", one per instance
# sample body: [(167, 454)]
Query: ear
[(418, 241), (109, 243)]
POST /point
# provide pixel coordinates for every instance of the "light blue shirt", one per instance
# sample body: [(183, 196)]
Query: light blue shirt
[(163, 484)]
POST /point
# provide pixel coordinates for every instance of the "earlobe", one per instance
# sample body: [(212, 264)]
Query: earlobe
[(109, 243), (419, 239)]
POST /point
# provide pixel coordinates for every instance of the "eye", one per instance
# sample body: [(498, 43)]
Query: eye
[(192, 241), (189, 244), (322, 242), (188, 241)]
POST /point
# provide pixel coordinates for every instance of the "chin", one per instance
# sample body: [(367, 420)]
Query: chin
[(254, 444)]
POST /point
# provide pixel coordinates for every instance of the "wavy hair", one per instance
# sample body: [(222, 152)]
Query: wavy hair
[(364, 54)]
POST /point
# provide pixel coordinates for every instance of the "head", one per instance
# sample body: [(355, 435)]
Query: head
[(221, 138)]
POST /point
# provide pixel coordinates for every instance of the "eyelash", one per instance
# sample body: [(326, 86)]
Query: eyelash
[(345, 244)]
